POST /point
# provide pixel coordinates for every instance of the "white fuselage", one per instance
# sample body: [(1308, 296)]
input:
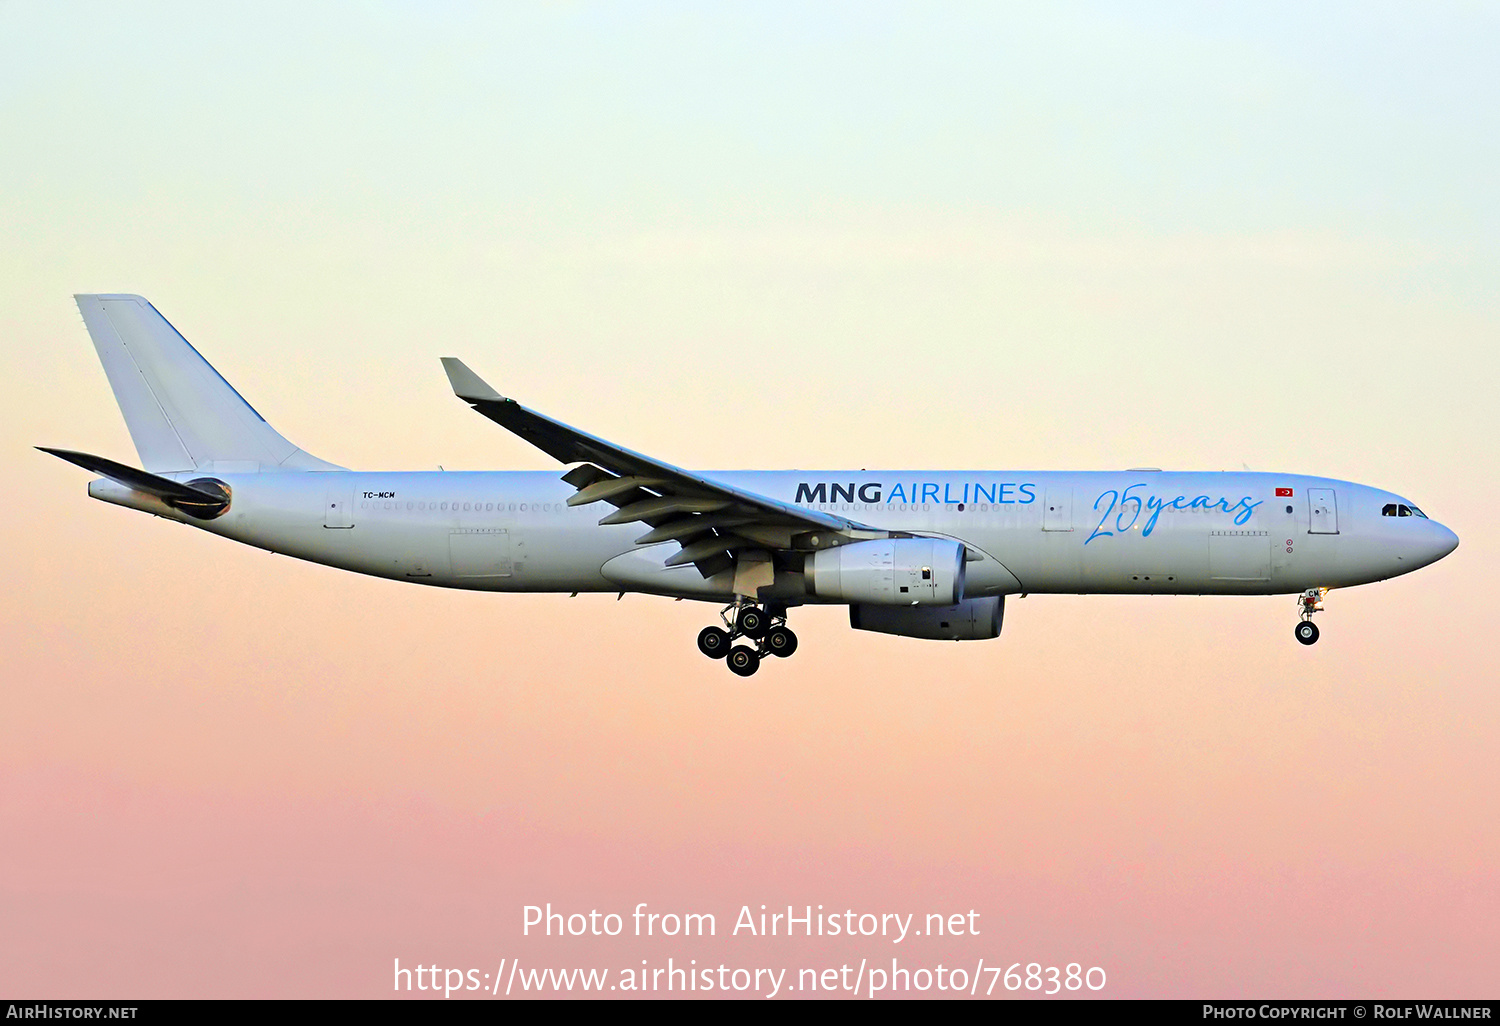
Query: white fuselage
[(1144, 532)]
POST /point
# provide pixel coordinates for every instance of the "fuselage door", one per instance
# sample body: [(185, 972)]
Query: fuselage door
[(338, 509), (1057, 511), (480, 552), (1324, 511)]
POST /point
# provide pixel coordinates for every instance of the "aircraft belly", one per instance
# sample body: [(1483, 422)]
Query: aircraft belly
[(1171, 561), (1168, 562), (1040, 562), (644, 569)]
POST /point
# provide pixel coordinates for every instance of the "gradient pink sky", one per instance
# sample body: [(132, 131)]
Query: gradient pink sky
[(226, 773)]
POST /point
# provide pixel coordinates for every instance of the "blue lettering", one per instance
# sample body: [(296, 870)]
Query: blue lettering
[(1242, 510), (1127, 497), (1156, 506), (898, 494), (989, 496), (1002, 492), (929, 493), (1114, 497), (946, 497), (1030, 492)]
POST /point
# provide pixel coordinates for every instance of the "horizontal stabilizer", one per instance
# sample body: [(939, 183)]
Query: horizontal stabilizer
[(190, 499)]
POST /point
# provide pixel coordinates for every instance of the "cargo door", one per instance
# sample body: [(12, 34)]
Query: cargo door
[(1323, 513), (1239, 555), (480, 552)]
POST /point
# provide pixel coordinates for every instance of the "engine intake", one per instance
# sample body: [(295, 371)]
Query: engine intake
[(890, 572), (970, 620)]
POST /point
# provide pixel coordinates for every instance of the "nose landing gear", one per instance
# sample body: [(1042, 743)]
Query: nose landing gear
[(764, 626), (1310, 602)]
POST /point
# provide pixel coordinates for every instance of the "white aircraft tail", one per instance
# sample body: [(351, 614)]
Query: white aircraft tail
[(181, 413)]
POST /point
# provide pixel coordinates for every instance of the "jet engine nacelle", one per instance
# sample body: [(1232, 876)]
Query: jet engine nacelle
[(890, 572), (970, 620)]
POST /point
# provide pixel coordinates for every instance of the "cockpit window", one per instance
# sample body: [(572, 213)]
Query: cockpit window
[(1401, 509)]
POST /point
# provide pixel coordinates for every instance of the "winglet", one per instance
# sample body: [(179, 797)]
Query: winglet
[(468, 385)]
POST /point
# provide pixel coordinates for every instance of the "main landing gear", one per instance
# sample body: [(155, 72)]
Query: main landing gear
[(765, 626), (1310, 602)]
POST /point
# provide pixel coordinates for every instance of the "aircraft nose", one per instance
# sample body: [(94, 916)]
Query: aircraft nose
[(1449, 543), (1439, 542)]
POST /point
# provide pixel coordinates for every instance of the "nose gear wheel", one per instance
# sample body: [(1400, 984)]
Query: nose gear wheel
[(1309, 602)]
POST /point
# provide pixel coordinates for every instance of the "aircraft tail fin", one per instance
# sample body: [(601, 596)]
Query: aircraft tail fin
[(181, 413)]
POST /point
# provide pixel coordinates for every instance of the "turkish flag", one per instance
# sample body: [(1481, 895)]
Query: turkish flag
[(1283, 493)]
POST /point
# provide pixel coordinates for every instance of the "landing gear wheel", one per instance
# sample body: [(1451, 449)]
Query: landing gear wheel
[(713, 642), (753, 622), (743, 661), (780, 641), (1307, 632)]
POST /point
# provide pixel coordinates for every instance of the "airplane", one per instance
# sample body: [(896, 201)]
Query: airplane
[(920, 554)]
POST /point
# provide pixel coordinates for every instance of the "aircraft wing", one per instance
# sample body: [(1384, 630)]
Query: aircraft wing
[(711, 520)]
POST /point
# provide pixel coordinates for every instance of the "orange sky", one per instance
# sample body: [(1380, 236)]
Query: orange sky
[(226, 773)]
